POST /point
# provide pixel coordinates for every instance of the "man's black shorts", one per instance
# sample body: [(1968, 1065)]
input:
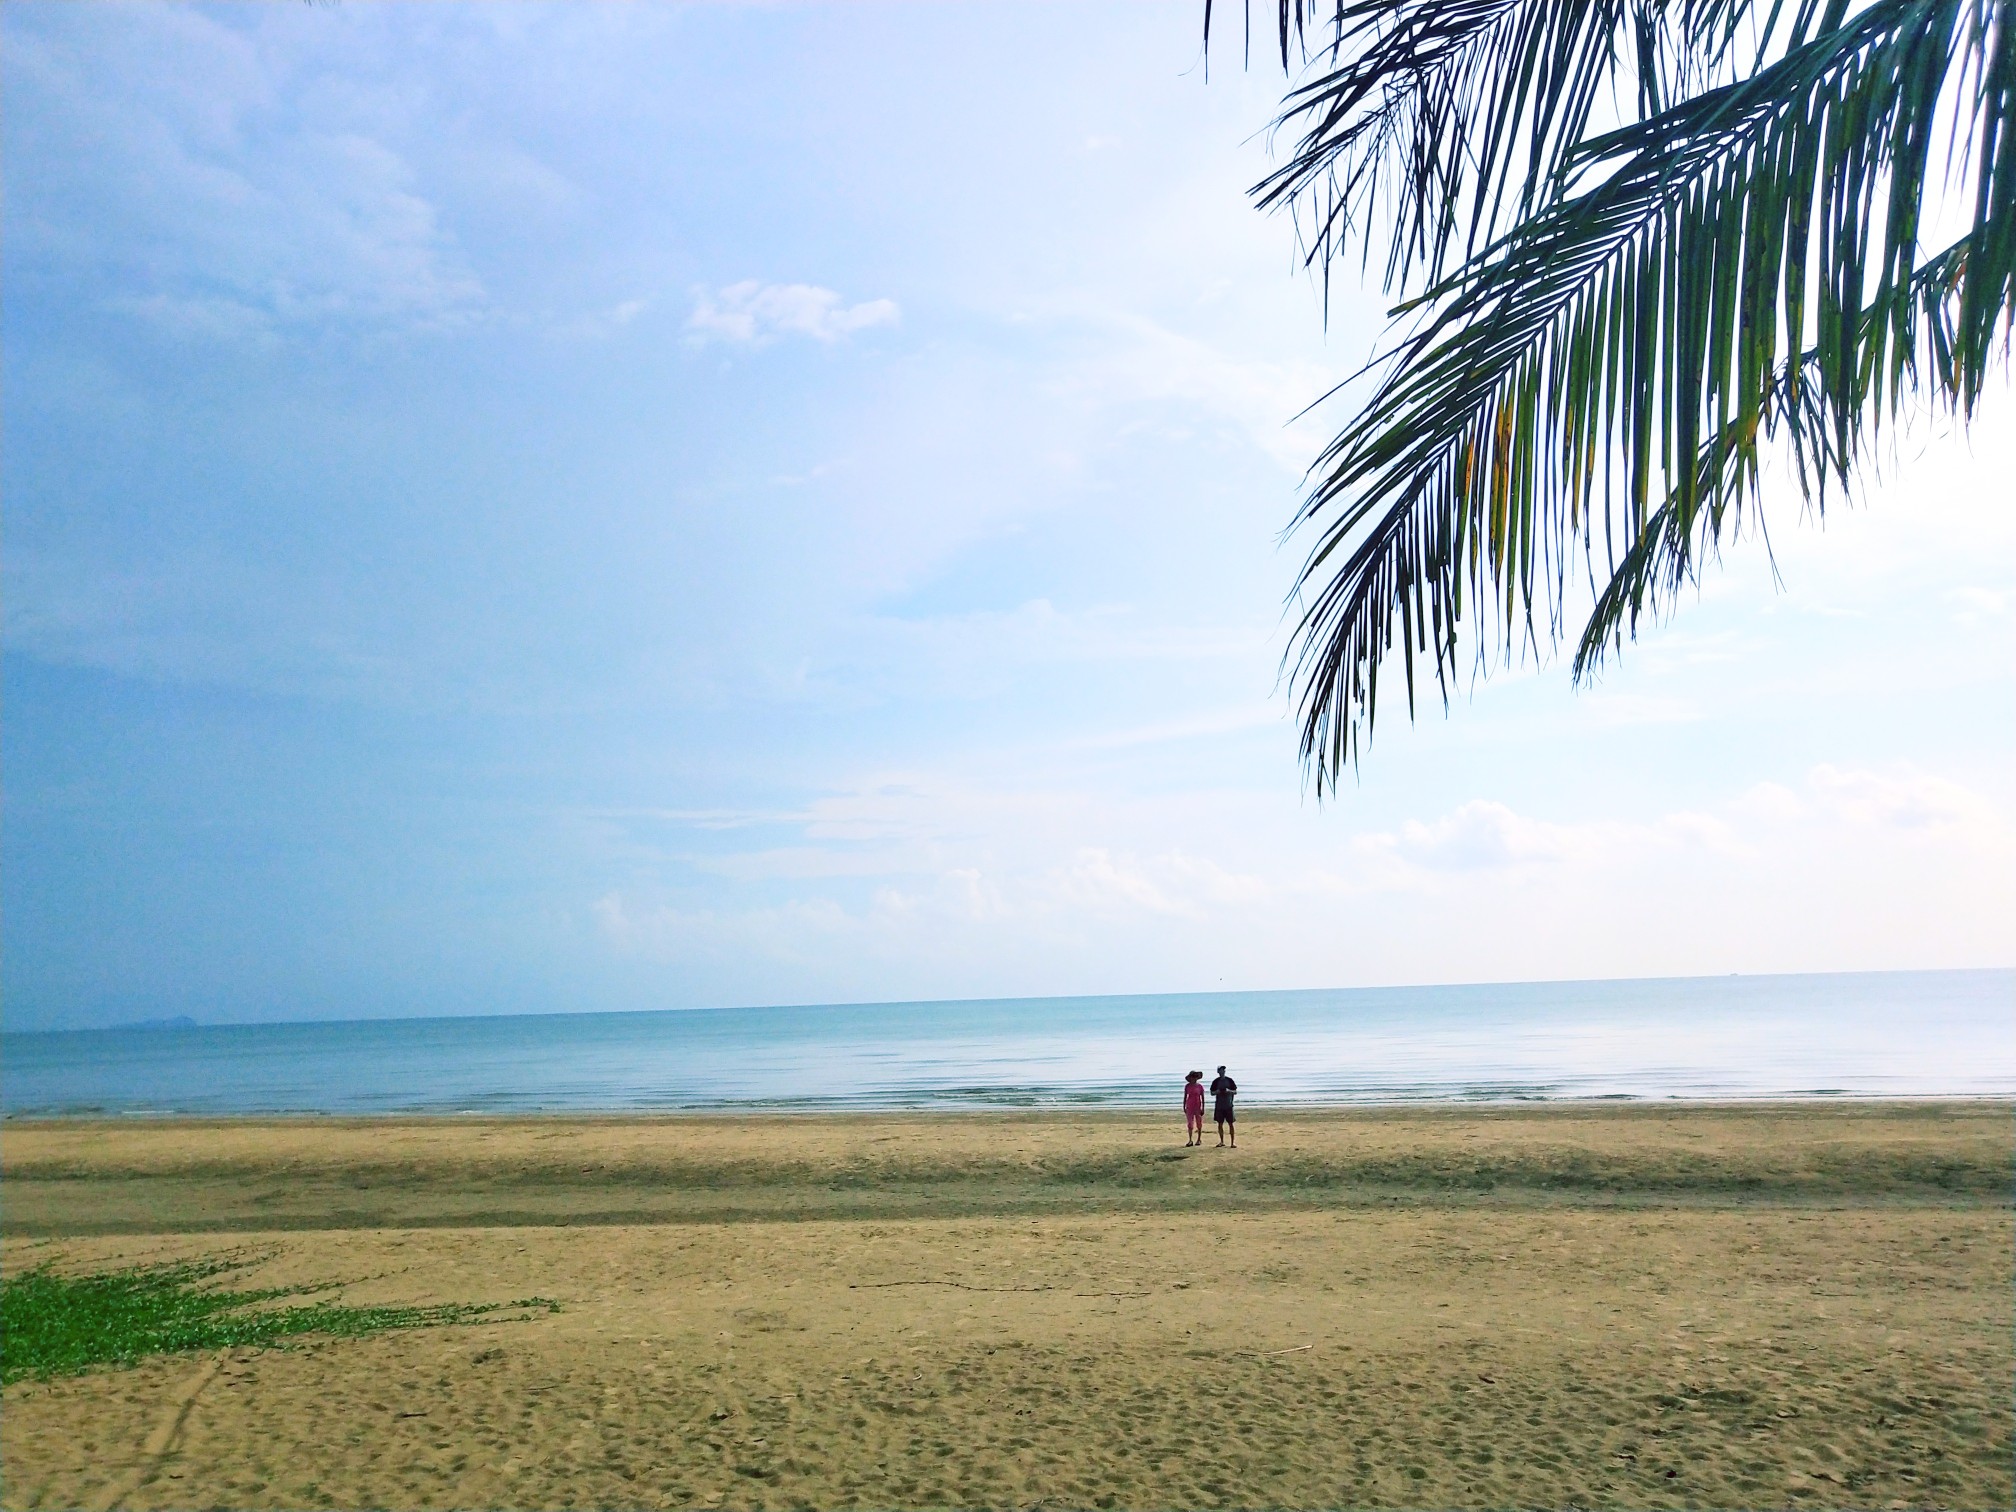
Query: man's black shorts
[(1224, 1112)]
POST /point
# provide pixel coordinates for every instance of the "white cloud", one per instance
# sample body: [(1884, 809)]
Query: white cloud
[(1901, 799), (753, 314), (940, 917), (923, 886), (1485, 834), (159, 153), (1095, 881), (1138, 361), (1482, 835)]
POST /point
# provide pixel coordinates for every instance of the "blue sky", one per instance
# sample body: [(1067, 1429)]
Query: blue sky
[(520, 509)]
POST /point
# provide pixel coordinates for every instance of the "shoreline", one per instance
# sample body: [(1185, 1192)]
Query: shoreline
[(739, 1112)]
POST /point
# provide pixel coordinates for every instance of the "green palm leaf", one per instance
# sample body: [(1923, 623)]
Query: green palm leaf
[(1605, 322)]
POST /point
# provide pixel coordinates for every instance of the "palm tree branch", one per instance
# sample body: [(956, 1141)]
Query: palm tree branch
[(1426, 119), (1449, 120), (1631, 329), (1665, 557)]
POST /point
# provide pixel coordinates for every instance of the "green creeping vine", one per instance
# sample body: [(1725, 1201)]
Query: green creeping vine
[(54, 1324)]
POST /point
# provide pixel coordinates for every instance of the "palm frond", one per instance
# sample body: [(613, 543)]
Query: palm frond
[(1666, 558), (1602, 344)]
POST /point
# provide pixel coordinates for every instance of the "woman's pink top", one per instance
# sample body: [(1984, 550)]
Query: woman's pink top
[(1193, 1097)]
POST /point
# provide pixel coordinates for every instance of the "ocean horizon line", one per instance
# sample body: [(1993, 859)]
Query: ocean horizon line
[(170, 1023)]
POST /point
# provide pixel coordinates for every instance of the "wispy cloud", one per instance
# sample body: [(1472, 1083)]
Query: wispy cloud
[(212, 318), (599, 325), (1972, 605), (1138, 361), (1901, 799), (940, 886), (207, 212), (1483, 835), (754, 314)]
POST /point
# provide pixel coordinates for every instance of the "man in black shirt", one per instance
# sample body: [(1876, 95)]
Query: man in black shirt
[(1223, 1090)]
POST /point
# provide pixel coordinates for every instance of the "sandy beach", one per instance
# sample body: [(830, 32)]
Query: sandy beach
[(1729, 1307)]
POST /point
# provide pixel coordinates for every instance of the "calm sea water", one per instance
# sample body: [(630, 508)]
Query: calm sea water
[(1892, 1034)]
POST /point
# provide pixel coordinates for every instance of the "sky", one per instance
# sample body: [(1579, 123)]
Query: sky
[(522, 509)]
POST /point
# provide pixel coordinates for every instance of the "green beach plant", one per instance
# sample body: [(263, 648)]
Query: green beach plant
[(53, 1323), (1638, 246)]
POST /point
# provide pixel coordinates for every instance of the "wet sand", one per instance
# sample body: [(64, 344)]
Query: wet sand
[(1625, 1307)]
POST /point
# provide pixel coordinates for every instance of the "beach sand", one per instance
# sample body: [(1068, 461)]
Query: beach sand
[(1555, 1307)]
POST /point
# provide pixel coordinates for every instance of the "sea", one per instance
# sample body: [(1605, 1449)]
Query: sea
[(1919, 1034)]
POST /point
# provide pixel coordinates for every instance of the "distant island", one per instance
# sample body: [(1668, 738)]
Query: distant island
[(179, 1021)]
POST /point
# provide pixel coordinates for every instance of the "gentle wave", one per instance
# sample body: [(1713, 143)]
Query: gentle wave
[(1888, 1034)]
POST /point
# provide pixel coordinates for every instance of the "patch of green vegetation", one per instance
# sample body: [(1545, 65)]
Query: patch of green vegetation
[(55, 1324)]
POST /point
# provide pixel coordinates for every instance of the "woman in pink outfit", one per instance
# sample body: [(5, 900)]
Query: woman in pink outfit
[(1193, 1108)]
